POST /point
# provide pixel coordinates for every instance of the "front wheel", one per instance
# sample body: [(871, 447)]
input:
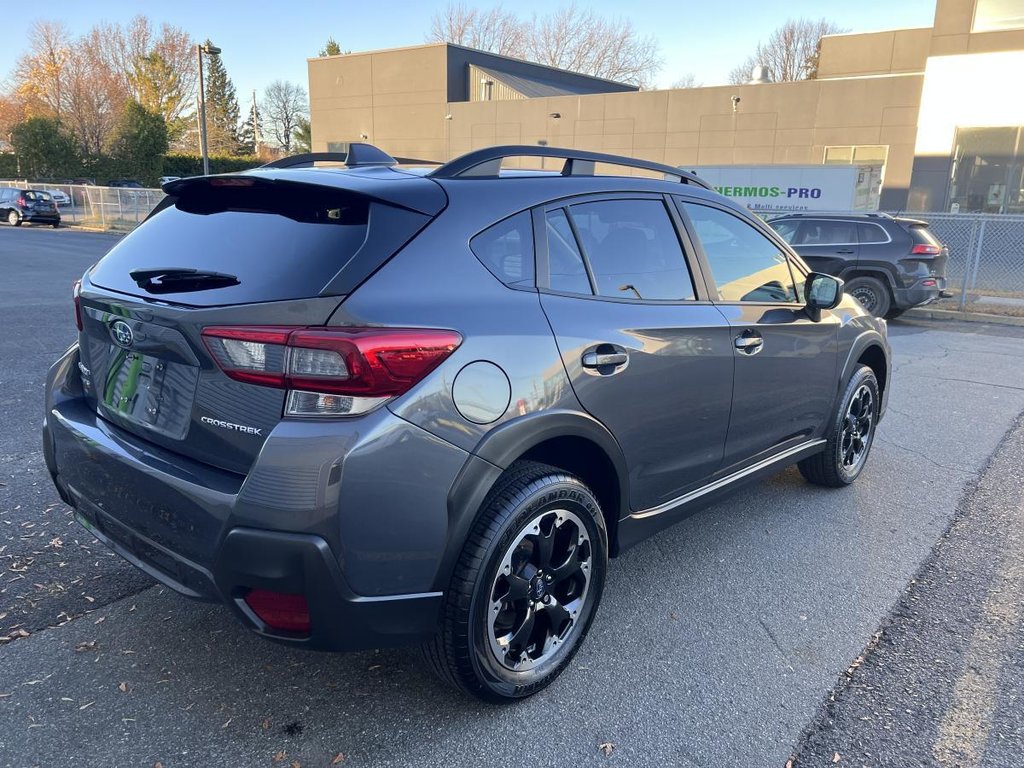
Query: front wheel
[(525, 588), (850, 434)]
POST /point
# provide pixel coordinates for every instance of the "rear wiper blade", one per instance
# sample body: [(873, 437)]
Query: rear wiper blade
[(180, 279)]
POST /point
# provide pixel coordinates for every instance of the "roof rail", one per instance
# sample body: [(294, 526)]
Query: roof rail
[(359, 155), (819, 214), (486, 163)]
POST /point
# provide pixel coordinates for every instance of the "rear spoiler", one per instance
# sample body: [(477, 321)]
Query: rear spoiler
[(380, 184)]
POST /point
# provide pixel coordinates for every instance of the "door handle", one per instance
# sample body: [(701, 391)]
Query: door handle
[(749, 342), (845, 252), (601, 359)]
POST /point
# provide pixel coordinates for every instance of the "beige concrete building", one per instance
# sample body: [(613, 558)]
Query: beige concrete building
[(941, 107)]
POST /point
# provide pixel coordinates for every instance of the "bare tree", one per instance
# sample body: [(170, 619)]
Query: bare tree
[(689, 80), (495, 30), (283, 105), (39, 74), (570, 38), (790, 53), (582, 41)]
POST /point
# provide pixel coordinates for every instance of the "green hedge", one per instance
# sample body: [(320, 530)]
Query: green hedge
[(103, 169)]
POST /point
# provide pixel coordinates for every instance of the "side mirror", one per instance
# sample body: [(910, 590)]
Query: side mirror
[(822, 292)]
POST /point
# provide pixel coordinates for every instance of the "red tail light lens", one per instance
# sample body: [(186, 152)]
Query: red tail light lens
[(330, 371), (76, 293), (279, 610), (922, 249), (22, 202)]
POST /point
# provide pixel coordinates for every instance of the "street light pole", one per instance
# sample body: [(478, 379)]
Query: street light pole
[(210, 50)]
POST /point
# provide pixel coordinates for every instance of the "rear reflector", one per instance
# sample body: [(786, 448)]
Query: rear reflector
[(923, 249), (330, 371), (279, 610)]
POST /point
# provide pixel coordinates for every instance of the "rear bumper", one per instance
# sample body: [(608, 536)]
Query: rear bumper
[(919, 293), (33, 217), (212, 535)]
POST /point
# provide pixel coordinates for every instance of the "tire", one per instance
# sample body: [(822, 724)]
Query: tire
[(55, 225), (853, 425), (478, 651), (892, 314), (14, 219), (873, 294)]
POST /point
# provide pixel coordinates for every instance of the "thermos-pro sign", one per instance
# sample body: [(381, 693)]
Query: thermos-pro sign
[(797, 188)]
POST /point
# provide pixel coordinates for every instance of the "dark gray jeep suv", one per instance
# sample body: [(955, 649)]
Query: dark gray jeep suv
[(367, 406), (889, 263)]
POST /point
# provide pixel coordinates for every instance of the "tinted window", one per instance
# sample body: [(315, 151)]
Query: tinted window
[(825, 232), (786, 229), (506, 249), (745, 264), (31, 195), (565, 264), (871, 233), (279, 244), (633, 249)]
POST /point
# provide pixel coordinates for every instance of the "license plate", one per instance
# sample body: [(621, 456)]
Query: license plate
[(149, 391)]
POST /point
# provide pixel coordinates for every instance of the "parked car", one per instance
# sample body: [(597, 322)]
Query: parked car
[(125, 183), (890, 264), (32, 205), (60, 197), (514, 376)]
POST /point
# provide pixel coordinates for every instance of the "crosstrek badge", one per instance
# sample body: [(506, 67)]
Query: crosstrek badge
[(233, 427)]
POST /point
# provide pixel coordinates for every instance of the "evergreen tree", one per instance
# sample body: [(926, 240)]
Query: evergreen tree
[(221, 108), (139, 142), (331, 48), (302, 139), (251, 130), (45, 149)]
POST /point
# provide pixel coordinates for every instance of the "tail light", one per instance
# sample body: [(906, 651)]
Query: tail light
[(22, 202), (923, 249), (279, 610), (76, 293), (330, 371)]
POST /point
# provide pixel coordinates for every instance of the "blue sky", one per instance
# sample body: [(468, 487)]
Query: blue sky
[(705, 38)]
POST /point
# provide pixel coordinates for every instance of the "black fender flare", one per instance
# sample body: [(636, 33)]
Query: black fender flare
[(498, 449), (867, 338), (877, 269)]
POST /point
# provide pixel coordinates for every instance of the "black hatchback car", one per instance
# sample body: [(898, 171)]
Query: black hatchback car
[(889, 263), (367, 406), (31, 205)]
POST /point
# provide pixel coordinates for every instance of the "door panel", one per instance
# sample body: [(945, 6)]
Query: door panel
[(783, 393), (785, 362), (668, 405)]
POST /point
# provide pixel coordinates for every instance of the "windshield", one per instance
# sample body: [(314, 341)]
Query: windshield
[(33, 195)]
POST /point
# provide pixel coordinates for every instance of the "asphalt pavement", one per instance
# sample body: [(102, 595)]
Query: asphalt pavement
[(718, 642)]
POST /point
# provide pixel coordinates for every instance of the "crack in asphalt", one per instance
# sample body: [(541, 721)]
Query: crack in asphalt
[(926, 457)]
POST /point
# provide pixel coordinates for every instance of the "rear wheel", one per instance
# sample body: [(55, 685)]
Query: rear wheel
[(14, 219), (55, 224), (850, 435), (526, 586), (871, 293)]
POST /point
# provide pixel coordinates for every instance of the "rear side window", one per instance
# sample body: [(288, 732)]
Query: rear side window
[(825, 232), (506, 249), (633, 249), (871, 233), (745, 264), (566, 271)]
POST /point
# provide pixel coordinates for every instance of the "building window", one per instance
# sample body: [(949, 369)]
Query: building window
[(993, 15), (863, 154), (988, 170)]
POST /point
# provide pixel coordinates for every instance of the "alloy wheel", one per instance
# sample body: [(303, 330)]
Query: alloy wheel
[(857, 427), (540, 589)]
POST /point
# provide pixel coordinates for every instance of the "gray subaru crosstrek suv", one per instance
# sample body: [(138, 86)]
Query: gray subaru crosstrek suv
[(365, 406)]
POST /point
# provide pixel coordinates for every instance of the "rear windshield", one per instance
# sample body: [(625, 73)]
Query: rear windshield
[(922, 235), (33, 195), (276, 243)]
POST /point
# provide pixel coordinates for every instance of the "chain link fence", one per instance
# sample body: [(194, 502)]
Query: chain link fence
[(108, 208), (985, 271)]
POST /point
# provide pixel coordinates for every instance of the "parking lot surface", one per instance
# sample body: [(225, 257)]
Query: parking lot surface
[(717, 642)]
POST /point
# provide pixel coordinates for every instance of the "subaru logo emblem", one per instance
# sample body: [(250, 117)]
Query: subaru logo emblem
[(122, 334)]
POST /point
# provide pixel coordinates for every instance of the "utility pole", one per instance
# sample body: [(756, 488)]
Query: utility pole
[(255, 125), (210, 50)]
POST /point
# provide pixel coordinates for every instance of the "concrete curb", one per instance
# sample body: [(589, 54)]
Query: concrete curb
[(926, 313)]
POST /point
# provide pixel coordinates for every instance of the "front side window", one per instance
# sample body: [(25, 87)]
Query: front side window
[(506, 249), (745, 264), (633, 250)]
